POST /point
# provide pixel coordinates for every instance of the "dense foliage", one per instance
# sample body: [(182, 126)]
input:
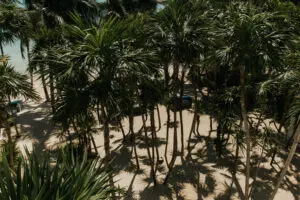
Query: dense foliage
[(101, 64)]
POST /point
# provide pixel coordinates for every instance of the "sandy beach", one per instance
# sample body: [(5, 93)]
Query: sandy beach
[(205, 177)]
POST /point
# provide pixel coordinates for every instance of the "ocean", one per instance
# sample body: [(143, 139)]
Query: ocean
[(14, 53)]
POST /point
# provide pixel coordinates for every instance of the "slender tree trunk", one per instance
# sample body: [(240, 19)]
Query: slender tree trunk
[(94, 144), (106, 136), (275, 148), (89, 139), (107, 158), (2, 51), (273, 155), (180, 112), (131, 118), (258, 123), (193, 127), (210, 123), (190, 135), (122, 129), (245, 128), (291, 138), (236, 156), (167, 136), (152, 172), (198, 124), (258, 166), (167, 79), (15, 124), (52, 95), (28, 59), (218, 139), (154, 138), (159, 119), (44, 84), (11, 147), (287, 162), (174, 155), (131, 123)]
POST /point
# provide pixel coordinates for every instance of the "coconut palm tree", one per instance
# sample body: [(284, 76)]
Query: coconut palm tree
[(55, 13), (183, 36), (12, 20), (13, 84), (254, 45), (44, 39), (295, 111), (288, 80), (100, 60)]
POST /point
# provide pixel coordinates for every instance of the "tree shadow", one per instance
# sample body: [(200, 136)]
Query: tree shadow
[(143, 145), (122, 160), (156, 192), (190, 172), (267, 178), (228, 192), (36, 124), (262, 190)]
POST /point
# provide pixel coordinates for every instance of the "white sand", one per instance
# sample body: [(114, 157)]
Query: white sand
[(206, 178)]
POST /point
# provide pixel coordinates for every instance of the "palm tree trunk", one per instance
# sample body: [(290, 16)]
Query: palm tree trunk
[(94, 143), (134, 142), (122, 129), (11, 147), (180, 112), (152, 172), (2, 51), (174, 155), (275, 148), (258, 166), (210, 123), (218, 139), (107, 158), (131, 123), (52, 100), (198, 124), (15, 124), (190, 135), (287, 162), (236, 156), (28, 58), (159, 119), (106, 136), (154, 138), (291, 138), (193, 127), (245, 128), (167, 79), (44, 84), (167, 136)]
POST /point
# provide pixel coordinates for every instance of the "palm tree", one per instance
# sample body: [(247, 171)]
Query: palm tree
[(12, 20), (44, 39), (55, 13), (294, 110), (254, 45), (100, 60), (183, 36), (13, 84), (287, 81)]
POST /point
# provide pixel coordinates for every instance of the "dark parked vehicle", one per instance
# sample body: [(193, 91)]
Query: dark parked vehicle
[(186, 103)]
